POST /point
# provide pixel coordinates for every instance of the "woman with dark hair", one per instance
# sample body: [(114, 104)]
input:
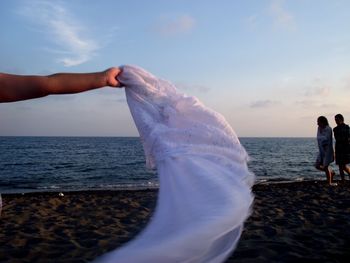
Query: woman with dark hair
[(342, 145), (325, 146)]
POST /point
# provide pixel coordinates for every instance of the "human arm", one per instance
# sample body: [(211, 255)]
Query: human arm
[(19, 87)]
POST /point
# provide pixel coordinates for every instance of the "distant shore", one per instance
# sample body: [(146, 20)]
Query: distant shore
[(291, 222)]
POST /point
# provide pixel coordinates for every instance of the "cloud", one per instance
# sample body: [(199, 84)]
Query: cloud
[(314, 104), (252, 21), (281, 16), (176, 25), (318, 91), (306, 103), (317, 88), (263, 103), (66, 32)]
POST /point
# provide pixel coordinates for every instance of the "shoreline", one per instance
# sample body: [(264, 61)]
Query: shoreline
[(304, 221), (142, 188)]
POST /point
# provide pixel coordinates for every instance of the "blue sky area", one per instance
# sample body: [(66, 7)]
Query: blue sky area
[(271, 67)]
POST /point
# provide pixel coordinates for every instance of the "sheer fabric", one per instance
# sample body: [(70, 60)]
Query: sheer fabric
[(205, 186)]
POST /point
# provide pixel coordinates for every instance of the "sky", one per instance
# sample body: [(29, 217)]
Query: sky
[(270, 67)]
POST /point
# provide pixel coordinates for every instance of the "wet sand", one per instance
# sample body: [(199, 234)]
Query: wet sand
[(294, 222)]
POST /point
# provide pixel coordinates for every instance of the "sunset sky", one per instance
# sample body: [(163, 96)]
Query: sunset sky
[(271, 67)]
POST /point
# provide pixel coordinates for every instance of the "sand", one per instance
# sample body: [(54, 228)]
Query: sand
[(294, 222)]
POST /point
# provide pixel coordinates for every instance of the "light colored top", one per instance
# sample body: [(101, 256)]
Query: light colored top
[(325, 146)]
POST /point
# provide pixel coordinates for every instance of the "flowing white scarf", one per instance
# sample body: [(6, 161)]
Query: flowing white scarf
[(205, 186)]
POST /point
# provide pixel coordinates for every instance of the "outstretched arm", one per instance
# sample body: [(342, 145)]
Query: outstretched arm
[(18, 87)]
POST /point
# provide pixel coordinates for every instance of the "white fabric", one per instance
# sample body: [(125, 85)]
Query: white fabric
[(325, 146), (205, 186)]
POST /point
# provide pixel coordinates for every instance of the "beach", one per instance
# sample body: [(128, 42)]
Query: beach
[(290, 222)]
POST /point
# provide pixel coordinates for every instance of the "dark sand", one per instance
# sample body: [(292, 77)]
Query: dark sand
[(296, 222)]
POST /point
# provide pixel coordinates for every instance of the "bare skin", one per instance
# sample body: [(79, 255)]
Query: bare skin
[(329, 172), (344, 168), (20, 87)]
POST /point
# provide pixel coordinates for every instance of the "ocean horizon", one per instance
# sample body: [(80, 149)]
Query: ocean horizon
[(80, 163)]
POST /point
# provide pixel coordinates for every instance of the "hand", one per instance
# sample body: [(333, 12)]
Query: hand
[(111, 75)]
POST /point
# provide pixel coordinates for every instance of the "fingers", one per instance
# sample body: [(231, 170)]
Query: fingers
[(111, 75)]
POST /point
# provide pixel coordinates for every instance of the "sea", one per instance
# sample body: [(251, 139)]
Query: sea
[(41, 164)]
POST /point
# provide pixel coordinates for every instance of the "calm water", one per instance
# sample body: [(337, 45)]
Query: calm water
[(30, 164)]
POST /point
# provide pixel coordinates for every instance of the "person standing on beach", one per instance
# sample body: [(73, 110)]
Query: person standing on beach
[(20, 87), (325, 146), (342, 145)]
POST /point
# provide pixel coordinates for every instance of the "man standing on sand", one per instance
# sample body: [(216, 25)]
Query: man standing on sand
[(342, 145)]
